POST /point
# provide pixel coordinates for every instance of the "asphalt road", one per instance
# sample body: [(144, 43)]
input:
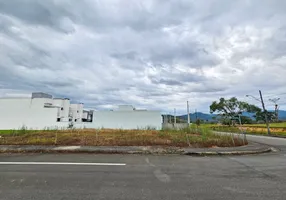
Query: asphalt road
[(279, 143), (272, 141), (131, 177)]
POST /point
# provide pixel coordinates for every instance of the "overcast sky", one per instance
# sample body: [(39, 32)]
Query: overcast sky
[(154, 54)]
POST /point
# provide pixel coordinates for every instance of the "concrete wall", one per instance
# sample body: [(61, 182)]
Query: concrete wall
[(173, 126), (16, 113), (126, 119), (41, 113)]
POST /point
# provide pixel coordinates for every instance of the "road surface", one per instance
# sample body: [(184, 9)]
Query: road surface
[(131, 177), (279, 143)]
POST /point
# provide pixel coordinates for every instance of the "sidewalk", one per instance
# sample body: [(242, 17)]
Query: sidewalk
[(252, 148)]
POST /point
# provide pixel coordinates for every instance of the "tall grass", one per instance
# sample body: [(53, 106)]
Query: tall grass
[(188, 137)]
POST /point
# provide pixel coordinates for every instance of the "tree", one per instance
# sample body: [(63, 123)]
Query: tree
[(260, 116), (246, 120), (228, 109), (198, 122)]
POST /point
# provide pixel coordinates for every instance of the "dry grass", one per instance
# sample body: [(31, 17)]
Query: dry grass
[(274, 125), (259, 130), (108, 137)]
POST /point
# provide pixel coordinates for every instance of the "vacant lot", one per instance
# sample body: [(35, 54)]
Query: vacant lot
[(273, 125), (277, 129), (106, 137)]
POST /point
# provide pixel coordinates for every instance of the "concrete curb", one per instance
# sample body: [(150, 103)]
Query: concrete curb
[(252, 148), (227, 153)]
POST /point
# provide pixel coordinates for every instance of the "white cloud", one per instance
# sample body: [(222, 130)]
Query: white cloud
[(154, 54)]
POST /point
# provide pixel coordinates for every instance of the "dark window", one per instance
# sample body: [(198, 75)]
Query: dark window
[(62, 108), (75, 120), (58, 119), (77, 111)]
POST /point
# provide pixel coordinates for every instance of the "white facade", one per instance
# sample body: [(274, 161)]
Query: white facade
[(31, 113), (127, 119), (39, 112), (76, 111), (42, 112)]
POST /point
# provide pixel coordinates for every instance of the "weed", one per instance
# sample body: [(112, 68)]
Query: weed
[(109, 137)]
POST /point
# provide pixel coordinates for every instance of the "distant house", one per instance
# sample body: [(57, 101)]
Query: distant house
[(38, 112), (127, 117), (42, 111)]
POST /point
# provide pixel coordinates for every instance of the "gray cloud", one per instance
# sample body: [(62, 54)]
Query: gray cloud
[(155, 53)]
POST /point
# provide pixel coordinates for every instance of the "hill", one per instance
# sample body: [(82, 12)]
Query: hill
[(210, 117), (282, 114), (199, 115)]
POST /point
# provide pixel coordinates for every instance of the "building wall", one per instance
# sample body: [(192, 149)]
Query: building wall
[(39, 113), (40, 102), (31, 113), (126, 119), (77, 112), (177, 126), (85, 114), (64, 105)]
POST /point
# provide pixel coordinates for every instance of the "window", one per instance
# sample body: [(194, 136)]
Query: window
[(62, 108), (75, 120), (58, 119)]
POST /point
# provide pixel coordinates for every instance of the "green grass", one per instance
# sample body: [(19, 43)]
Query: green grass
[(257, 129), (3, 132), (274, 125), (16, 132)]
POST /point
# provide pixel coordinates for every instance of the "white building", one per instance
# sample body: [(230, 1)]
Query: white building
[(127, 117), (38, 112), (76, 111), (63, 106), (42, 111)]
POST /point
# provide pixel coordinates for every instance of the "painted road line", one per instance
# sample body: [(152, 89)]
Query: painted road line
[(62, 163)]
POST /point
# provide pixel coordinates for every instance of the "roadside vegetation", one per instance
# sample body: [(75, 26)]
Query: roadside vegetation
[(189, 137), (277, 129), (231, 119), (274, 125)]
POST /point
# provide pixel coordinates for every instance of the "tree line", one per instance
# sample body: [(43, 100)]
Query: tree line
[(229, 111)]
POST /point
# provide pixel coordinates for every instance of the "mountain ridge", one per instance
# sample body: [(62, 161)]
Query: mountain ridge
[(210, 117)]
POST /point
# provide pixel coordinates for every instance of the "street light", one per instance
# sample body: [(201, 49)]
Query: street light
[(248, 95), (275, 100)]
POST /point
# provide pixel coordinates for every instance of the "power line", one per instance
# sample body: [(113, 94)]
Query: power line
[(271, 95)]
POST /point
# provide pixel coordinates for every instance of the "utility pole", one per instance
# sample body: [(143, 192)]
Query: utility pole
[(275, 100), (188, 111), (265, 113), (175, 120)]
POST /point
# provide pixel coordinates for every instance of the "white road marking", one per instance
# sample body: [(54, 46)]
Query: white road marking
[(236, 190), (61, 163)]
